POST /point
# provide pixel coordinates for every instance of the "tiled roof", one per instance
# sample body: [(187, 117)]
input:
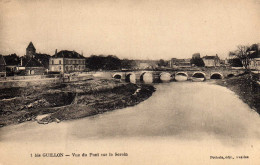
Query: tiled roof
[(210, 57), (67, 54), (31, 45), (33, 63), (254, 54), (44, 58)]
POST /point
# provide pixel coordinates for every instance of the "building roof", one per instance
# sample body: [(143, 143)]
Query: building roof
[(44, 58), (67, 54), (210, 57), (33, 63), (180, 60), (31, 46), (254, 54), (2, 60)]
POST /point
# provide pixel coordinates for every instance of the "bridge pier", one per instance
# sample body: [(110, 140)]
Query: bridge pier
[(201, 74)]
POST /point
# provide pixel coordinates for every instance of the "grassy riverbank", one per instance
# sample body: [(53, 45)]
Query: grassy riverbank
[(57, 102), (246, 87)]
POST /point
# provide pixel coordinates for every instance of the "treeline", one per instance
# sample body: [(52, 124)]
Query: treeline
[(110, 62), (197, 61)]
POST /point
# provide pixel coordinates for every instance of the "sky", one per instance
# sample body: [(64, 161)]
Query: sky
[(136, 29)]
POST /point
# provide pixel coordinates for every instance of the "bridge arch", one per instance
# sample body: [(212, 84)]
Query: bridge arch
[(181, 76), (117, 76), (165, 76), (146, 77), (230, 75), (216, 75), (198, 76), (130, 77)]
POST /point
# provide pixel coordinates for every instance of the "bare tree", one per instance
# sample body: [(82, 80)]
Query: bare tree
[(242, 53)]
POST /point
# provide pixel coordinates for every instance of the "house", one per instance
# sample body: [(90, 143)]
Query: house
[(67, 61), (30, 65), (2, 67), (254, 56), (254, 64), (211, 61), (146, 64), (43, 58), (34, 67), (12, 62), (180, 63)]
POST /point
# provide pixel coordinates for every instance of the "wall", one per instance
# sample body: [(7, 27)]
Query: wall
[(211, 62), (56, 64), (255, 64), (66, 64), (34, 71), (27, 82)]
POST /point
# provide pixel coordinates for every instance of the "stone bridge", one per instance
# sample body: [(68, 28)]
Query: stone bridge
[(177, 75)]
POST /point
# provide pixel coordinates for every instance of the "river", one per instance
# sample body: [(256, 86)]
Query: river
[(198, 119)]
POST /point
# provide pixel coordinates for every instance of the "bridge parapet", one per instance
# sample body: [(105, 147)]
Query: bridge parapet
[(139, 75)]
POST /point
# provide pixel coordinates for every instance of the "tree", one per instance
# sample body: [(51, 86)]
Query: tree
[(111, 63), (162, 63), (197, 61), (128, 64), (235, 62), (94, 62), (242, 53), (12, 59), (103, 62)]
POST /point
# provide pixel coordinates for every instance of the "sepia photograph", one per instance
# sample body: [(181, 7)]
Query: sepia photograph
[(128, 82)]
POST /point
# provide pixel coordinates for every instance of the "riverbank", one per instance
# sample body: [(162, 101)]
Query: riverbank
[(246, 87), (66, 101)]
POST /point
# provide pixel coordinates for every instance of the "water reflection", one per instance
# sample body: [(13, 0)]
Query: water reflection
[(182, 110), (165, 77)]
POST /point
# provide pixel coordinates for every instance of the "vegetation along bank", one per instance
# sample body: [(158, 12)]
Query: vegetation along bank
[(247, 87), (66, 101)]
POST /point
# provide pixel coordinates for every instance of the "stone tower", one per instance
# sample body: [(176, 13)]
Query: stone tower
[(30, 50)]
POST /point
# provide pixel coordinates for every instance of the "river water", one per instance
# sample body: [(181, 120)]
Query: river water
[(188, 117)]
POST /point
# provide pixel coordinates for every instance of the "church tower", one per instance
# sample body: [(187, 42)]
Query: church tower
[(30, 50)]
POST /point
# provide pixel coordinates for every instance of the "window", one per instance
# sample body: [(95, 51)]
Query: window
[(59, 61), (52, 62)]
